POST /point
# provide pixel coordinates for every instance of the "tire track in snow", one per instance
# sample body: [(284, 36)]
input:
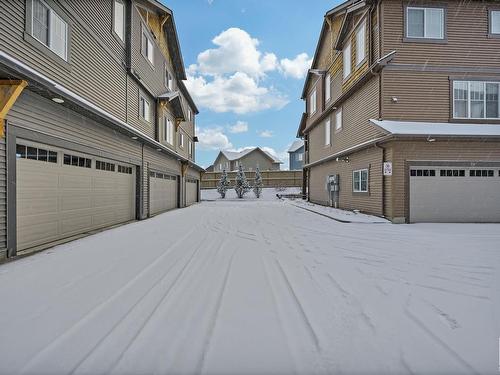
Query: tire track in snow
[(98, 308), (213, 323)]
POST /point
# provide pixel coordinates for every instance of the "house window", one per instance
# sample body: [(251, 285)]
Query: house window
[(119, 19), (328, 80), (476, 100), (300, 156), (190, 115), (181, 139), (327, 132), (190, 148), (145, 109), (361, 44), (147, 47), (346, 54), (169, 81), (360, 181), (168, 131), (49, 29), (426, 23), (338, 119), (495, 22), (312, 103)]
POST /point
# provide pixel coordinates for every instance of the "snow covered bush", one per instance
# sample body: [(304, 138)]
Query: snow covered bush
[(257, 187), (223, 184), (241, 186)]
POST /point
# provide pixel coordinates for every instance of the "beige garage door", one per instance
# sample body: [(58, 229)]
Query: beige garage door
[(163, 193), (454, 194), (191, 191), (61, 193)]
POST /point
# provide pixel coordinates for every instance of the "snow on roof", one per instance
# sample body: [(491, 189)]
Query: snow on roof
[(235, 155), (296, 145), (436, 128)]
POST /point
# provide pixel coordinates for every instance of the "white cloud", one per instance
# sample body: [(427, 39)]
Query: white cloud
[(213, 139), (236, 52), (296, 68), (266, 134), (237, 93), (239, 127)]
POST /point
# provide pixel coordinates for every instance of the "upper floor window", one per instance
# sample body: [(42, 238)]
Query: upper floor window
[(119, 19), (147, 47), (476, 100), (181, 139), (328, 87), (328, 127), (425, 23), (312, 102), (168, 130), (338, 119), (49, 28), (144, 109), (346, 54), (190, 148), (190, 115), (169, 81), (361, 44), (300, 156), (495, 22)]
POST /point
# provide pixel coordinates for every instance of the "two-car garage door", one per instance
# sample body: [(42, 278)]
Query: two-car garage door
[(454, 194), (61, 193)]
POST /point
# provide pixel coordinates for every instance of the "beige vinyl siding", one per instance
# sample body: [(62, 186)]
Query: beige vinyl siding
[(133, 116), (104, 86), (3, 199), (445, 150), (370, 202), (465, 38)]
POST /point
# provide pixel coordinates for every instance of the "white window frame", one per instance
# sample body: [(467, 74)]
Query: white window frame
[(425, 36), (147, 50), (169, 80), (168, 130), (181, 139), (347, 60), (190, 148), (469, 112), (144, 108), (359, 173), (338, 119), (50, 41), (328, 87), (300, 156), (313, 102), (119, 31), (361, 37), (495, 31), (328, 132)]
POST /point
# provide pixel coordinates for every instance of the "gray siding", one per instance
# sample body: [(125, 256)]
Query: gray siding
[(294, 163), (3, 199)]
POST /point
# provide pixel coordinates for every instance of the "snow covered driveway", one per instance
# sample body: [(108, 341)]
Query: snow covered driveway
[(256, 288)]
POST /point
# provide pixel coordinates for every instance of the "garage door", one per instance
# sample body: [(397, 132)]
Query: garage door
[(451, 194), (163, 193), (191, 191), (61, 193)]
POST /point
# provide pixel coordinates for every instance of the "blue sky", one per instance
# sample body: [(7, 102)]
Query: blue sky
[(246, 60)]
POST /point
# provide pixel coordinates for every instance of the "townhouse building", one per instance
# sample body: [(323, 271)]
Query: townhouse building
[(402, 112), (97, 126)]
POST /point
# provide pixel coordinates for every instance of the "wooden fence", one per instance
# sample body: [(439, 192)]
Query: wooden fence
[(272, 179)]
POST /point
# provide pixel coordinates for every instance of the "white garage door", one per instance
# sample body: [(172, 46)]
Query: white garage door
[(61, 193), (191, 191), (163, 193), (454, 194)]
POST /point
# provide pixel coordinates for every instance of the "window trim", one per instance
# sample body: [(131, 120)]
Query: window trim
[(315, 93), (425, 5), (145, 31), (491, 34), (113, 27), (360, 27), (328, 132), (181, 139), (360, 179), (40, 46), (468, 81), (339, 128), (143, 96), (348, 45), (328, 87)]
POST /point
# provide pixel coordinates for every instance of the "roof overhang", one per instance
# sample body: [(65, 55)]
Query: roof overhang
[(175, 100), (45, 85), (302, 125), (188, 97)]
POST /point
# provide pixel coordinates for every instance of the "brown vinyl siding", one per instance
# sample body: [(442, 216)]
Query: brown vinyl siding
[(3, 199), (370, 202), (445, 150), (467, 42), (104, 86)]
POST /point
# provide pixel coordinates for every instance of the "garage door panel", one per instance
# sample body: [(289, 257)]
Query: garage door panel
[(57, 200), (445, 198), (191, 191), (163, 193)]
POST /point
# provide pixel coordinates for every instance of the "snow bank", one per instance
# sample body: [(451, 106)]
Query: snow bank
[(268, 194)]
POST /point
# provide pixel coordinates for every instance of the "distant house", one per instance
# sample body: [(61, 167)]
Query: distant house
[(250, 159), (209, 168), (296, 153)]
